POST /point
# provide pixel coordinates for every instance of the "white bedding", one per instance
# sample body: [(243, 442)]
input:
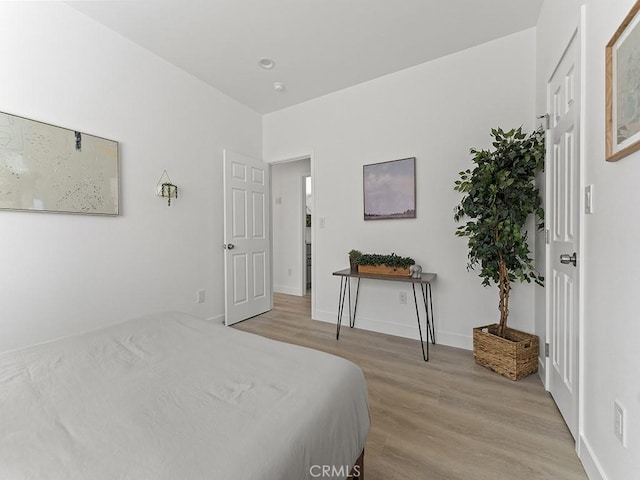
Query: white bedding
[(172, 397)]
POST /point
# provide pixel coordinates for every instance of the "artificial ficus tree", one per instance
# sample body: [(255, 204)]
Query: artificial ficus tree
[(499, 197)]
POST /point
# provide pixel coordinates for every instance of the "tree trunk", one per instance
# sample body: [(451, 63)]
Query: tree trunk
[(505, 288)]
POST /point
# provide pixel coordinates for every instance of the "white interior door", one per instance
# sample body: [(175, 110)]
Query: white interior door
[(247, 261), (563, 222)]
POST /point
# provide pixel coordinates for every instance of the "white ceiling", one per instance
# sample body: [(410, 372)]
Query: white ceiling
[(319, 46)]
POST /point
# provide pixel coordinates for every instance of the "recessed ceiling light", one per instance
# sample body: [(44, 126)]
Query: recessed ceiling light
[(279, 87), (267, 63)]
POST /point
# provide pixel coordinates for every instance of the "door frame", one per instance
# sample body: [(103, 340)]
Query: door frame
[(305, 279), (582, 36), (314, 217), (578, 35)]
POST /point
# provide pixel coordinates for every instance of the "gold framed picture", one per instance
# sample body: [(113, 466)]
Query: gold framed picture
[(622, 83)]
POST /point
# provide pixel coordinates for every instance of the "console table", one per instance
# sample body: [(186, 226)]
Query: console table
[(425, 286)]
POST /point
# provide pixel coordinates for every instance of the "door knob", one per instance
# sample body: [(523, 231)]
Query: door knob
[(567, 259), (229, 246)]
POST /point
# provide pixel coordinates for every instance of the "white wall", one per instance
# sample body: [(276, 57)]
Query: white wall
[(287, 183), (62, 274), (611, 263), (435, 112)]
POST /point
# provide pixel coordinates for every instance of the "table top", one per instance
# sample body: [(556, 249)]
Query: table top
[(426, 277)]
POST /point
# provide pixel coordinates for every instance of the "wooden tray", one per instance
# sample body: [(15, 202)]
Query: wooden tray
[(384, 270)]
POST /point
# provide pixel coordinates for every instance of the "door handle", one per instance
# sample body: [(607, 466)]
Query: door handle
[(229, 246), (567, 259)]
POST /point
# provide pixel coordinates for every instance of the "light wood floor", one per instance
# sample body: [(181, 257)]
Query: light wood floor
[(446, 419)]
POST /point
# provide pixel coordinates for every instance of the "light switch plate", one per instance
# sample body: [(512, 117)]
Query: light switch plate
[(618, 422), (588, 199)]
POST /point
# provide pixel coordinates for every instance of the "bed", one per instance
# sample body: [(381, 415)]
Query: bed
[(170, 396)]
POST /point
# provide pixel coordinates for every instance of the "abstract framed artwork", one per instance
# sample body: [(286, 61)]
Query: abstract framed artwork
[(622, 83), (52, 169), (390, 189)]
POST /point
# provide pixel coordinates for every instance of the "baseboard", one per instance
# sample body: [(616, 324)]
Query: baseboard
[(216, 318), (406, 331), (288, 290), (454, 340), (542, 373), (323, 316), (589, 460), (369, 324)]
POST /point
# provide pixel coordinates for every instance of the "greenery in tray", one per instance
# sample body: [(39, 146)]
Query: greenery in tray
[(499, 197), (392, 260)]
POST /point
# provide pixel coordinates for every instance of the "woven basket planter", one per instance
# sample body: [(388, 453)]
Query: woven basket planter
[(515, 356), (384, 270)]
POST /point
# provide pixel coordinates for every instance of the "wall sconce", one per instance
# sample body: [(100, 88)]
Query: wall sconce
[(165, 188)]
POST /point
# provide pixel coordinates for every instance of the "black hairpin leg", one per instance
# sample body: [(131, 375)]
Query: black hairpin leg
[(352, 321), (345, 285), (415, 301), (428, 308), (341, 295)]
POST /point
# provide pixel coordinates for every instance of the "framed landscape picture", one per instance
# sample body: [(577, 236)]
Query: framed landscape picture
[(390, 189)]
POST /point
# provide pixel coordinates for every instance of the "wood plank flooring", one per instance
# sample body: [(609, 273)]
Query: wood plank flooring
[(445, 419)]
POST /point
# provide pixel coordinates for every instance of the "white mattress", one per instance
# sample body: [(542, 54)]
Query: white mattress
[(172, 397)]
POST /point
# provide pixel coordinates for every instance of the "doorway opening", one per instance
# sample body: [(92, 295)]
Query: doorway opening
[(308, 225), (292, 232)]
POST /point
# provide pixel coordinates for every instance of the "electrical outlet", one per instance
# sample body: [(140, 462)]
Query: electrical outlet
[(323, 222), (200, 296), (403, 298), (289, 272), (618, 422)]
